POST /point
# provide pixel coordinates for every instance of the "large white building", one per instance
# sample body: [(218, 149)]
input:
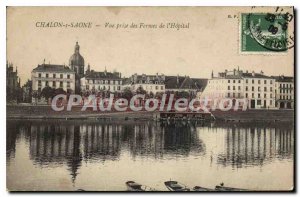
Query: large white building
[(54, 76), (284, 90), (150, 83), (257, 88), (95, 82)]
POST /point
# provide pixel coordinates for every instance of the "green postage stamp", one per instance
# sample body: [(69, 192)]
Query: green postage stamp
[(265, 32)]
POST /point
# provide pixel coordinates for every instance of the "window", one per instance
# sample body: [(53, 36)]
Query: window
[(265, 89), (258, 95), (60, 84), (246, 95), (47, 75), (233, 87), (265, 81), (271, 103), (239, 87), (162, 87), (246, 80), (228, 95), (68, 84), (54, 84), (246, 88), (87, 87), (271, 82), (239, 95), (228, 81), (252, 88), (252, 95), (54, 75), (40, 75), (252, 80), (271, 95), (156, 87), (258, 102), (46, 83), (239, 81), (61, 76), (233, 95), (265, 95), (258, 81), (68, 76), (258, 89), (271, 89), (228, 87), (233, 81)]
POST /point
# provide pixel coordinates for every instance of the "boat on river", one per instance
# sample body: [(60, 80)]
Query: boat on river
[(202, 189), (175, 186), (136, 187), (221, 187)]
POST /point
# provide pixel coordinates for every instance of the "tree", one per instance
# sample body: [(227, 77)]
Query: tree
[(58, 91), (47, 92), (127, 93), (151, 94), (141, 90), (158, 95)]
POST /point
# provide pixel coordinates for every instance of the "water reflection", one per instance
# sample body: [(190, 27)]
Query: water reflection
[(254, 146), (53, 144)]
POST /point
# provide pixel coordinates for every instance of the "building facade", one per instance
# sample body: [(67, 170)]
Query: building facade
[(12, 78), (284, 90), (257, 88), (54, 76), (192, 86), (150, 83), (95, 82), (13, 82)]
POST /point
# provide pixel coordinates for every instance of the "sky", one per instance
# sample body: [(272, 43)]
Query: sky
[(211, 43)]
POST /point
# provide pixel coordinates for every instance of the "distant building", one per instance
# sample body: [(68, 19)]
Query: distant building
[(12, 82), (95, 82), (194, 86), (54, 76), (150, 83), (284, 91), (76, 63), (257, 88)]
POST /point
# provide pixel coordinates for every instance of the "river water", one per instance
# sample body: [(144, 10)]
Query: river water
[(102, 156)]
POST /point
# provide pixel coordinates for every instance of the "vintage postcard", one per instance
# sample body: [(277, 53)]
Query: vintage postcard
[(188, 99)]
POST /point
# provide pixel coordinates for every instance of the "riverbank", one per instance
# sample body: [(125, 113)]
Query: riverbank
[(46, 112)]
